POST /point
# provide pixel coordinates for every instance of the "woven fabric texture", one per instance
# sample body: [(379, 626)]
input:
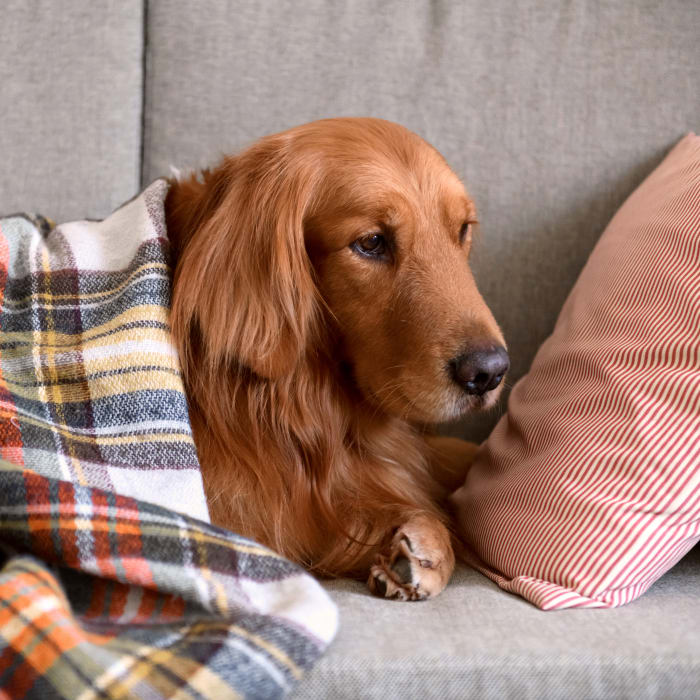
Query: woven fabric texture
[(112, 583), (91, 386), (105, 596)]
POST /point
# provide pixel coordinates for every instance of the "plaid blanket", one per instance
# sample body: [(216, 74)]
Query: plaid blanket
[(112, 581)]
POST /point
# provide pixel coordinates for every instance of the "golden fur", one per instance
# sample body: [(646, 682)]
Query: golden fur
[(311, 369)]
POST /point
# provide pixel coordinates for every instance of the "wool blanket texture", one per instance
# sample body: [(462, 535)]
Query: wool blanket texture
[(113, 583)]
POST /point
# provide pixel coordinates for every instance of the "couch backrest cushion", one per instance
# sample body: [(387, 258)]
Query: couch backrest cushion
[(551, 112), (70, 106)]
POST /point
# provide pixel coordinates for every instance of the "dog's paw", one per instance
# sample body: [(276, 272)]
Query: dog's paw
[(419, 562)]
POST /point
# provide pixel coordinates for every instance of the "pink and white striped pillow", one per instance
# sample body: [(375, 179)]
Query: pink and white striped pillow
[(588, 489)]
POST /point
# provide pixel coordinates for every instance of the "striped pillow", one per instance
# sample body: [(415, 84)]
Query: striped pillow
[(588, 489)]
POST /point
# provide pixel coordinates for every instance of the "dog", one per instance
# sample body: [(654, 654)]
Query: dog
[(326, 317)]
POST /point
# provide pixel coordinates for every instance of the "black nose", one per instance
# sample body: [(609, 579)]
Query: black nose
[(481, 370)]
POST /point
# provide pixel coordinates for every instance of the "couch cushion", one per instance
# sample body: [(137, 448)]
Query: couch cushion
[(70, 99), (477, 641), (552, 112)]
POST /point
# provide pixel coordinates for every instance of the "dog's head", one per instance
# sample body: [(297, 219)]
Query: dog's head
[(349, 231)]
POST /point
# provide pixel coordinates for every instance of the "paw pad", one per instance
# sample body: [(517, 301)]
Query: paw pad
[(379, 587), (402, 568)]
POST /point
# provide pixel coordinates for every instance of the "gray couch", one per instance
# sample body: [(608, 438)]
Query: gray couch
[(551, 111)]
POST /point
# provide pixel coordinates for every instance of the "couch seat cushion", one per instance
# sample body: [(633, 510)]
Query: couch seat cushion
[(477, 641)]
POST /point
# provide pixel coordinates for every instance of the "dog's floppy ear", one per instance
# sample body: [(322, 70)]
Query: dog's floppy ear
[(244, 288)]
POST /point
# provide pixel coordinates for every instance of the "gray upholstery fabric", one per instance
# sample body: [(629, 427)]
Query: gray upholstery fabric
[(551, 111), (477, 641), (70, 99)]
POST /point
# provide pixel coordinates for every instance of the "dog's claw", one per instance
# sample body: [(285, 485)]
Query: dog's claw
[(407, 542)]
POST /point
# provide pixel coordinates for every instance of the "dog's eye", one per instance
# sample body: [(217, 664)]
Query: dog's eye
[(373, 245), (465, 233)]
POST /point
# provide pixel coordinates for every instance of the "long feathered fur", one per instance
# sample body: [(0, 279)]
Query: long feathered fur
[(279, 430), (293, 453)]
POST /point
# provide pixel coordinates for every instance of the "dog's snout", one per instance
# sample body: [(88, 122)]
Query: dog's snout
[(480, 371)]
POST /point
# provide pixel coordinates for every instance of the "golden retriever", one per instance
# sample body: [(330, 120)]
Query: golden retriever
[(325, 315)]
